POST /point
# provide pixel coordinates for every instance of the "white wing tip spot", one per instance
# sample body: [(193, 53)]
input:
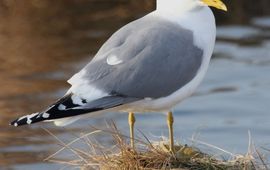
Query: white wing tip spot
[(62, 107), (29, 121), (113, 60), (15, 124), (45, 115)]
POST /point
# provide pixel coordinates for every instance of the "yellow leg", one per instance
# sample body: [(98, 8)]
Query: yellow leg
[(170, 126), (131, 121)]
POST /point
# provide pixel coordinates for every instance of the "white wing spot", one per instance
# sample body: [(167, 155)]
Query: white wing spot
[(113, 60), (62, 107), (15, 124), (45, 115), (86, 91), (29, 121), (28, 117), (76, 100)]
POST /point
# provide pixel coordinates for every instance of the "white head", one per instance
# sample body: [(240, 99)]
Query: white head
[(187, 5)]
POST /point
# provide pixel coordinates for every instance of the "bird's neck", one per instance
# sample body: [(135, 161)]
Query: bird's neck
[(176, 6), (200, 20)]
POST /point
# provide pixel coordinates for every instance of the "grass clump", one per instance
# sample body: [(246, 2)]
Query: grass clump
[(149, 155)]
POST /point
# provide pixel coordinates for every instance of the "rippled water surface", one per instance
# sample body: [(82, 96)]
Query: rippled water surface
[(36, 62)]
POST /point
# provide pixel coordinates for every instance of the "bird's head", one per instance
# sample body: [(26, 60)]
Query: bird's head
[(214, 3), (186, 5)]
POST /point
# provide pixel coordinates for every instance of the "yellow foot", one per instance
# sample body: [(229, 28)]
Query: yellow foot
[(170, 121), (131, 121)]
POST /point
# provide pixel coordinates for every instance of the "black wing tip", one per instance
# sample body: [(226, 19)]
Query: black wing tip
[(41, 116), (19, 122), (26, 120), (14, 123)]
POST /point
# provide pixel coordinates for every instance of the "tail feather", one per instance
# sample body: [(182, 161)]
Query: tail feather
[(71, 105), (66, 121)]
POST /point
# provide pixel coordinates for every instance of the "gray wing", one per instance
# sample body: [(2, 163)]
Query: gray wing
[(158, 57)]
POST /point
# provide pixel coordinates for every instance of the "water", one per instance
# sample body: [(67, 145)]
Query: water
[(35, 63)]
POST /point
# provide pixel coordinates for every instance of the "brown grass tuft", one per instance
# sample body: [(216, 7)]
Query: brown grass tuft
[(150, 155)]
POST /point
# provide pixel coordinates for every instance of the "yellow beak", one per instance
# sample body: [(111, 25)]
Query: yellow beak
[(215, 3)]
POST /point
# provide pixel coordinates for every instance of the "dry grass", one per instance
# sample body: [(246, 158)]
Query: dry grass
[(150, 155)]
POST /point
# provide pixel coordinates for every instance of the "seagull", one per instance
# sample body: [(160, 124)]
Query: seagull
[(148, 65)]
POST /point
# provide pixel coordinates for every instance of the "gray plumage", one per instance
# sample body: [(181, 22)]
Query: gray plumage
[(159, 57), (106, 102)]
